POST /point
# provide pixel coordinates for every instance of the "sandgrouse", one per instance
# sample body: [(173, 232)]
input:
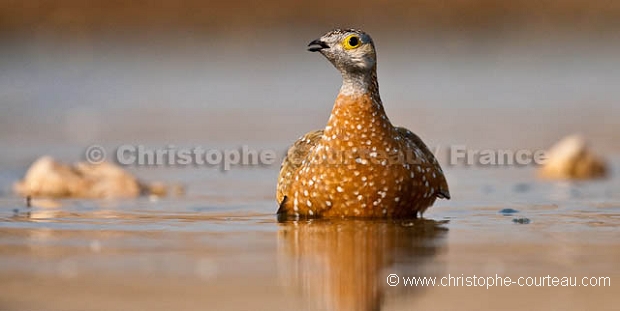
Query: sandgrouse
[(359, 165)]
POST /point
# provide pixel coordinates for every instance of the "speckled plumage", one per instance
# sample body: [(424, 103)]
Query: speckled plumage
[(360, 165)]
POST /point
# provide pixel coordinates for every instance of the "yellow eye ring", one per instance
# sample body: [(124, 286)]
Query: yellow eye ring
[(351, 42)]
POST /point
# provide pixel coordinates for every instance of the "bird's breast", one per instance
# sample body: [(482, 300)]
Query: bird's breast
[(358, 168)]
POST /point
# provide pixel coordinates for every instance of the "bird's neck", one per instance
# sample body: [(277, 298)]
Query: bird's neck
[(358, 111), (360, 83)]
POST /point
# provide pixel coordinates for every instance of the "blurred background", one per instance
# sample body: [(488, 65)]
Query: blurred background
[(487, 74)]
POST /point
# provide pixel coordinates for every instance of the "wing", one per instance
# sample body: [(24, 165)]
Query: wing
[(444, 192), (295, 155)]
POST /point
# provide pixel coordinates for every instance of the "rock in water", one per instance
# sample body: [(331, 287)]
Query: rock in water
[(572, 158), (49, 178)]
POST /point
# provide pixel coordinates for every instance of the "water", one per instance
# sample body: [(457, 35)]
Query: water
[(230, 251), (220, 247)]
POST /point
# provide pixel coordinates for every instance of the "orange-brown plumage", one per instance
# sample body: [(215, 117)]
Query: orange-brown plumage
[(360, 165)]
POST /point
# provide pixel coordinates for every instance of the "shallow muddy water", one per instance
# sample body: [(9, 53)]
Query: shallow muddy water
[(229, 252)]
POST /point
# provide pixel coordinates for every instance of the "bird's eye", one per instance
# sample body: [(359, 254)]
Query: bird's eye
[(351, 42)]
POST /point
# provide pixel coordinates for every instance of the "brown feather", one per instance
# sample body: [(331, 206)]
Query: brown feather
[(295, 156), (443, 192)]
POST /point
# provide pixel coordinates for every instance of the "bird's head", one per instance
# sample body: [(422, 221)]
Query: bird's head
[(350, 50)]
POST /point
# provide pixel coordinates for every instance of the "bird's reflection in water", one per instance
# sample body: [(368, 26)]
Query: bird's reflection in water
[(343, 264)]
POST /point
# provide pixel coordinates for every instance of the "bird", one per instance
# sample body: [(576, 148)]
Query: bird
[(359, 165)]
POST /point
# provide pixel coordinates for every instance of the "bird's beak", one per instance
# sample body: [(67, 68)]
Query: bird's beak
[(317, 45)]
